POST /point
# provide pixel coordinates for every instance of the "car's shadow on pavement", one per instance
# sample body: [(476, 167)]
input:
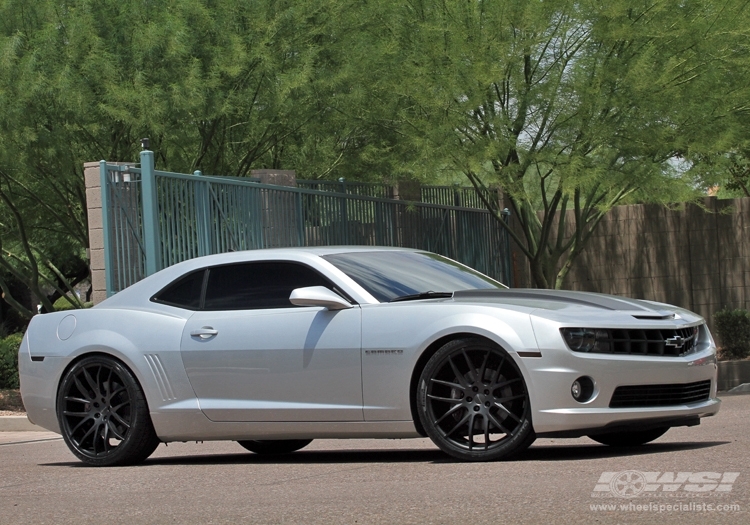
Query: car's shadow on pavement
[(535, 453), (574, 452)]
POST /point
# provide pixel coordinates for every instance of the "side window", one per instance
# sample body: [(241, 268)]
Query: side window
[(251, 286), (185, 292)]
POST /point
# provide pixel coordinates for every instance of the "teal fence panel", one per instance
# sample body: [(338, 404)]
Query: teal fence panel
[(154, 219), (364, 189)]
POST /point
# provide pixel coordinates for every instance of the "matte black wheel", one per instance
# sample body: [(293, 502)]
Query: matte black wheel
[(103, 414), (473, 403), (629, 439), (281, 446)]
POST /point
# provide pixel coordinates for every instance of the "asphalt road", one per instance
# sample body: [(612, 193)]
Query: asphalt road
[(394, 481)]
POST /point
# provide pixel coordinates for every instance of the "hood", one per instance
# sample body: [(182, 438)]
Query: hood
[(564, 305)]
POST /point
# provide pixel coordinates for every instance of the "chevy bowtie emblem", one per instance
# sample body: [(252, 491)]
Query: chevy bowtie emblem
[(676, 341)]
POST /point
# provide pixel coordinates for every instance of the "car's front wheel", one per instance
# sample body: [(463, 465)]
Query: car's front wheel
[(630, 438), (473, 402), (103, 413), (281, 446)]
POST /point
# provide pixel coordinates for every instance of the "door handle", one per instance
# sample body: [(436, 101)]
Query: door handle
[(205, 332)]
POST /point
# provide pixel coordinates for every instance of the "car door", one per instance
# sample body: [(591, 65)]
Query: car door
[(251, 355)]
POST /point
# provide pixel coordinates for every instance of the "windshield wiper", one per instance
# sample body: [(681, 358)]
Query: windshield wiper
[(422, 295)]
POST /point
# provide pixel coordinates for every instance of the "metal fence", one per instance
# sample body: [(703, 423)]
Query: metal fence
[(466, 197), (364, 189), (461, 196), (153, 219)]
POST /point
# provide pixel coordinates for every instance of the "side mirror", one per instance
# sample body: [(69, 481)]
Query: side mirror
[(318, 296)]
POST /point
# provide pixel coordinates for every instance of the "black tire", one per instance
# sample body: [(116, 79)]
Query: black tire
[(473, 403), (630, 438), (281, 446), (103, 414)]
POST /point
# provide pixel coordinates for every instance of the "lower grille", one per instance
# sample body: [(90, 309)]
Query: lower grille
[(660, 395)]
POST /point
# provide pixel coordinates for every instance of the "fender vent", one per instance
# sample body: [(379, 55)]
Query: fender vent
[(160, 375)]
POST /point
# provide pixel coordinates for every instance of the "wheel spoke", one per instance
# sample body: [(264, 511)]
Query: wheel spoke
[(496, 372), (510, 398), (75, 414), (486, 432), (472, 417), (450, 411), (445, 399), (89, 431), (90, 381), (120, 419), (472, 370), (83, 390), (113, 394), (458, 373), (98, 437), (495, 386), (76, 399), (108, 383), (510, 414), (106, 437), (98, 377), (499, 425), (459, 424), (483, 368), (118, 407), (447, 383), (79, 424), (115, 432)]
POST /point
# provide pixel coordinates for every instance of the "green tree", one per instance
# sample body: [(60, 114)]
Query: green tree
[(218, 85), (566, 106)]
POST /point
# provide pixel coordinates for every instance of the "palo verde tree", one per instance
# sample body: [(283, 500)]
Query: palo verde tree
[(569, 107), (223, 86)]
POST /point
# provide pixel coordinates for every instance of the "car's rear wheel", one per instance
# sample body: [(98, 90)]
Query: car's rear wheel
[(473, 402), (281, 446), (630, 438), (103, 414)]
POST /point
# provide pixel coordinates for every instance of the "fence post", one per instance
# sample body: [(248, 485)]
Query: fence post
[(344, 212), (150, 213), (300, 219), (203, 207)]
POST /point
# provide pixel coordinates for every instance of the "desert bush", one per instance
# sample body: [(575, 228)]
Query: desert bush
[(733, 330), (9, 360)]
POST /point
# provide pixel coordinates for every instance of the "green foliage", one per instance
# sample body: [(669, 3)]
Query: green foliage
[(9, 360), (733, 330), (70, 303), (567, 106), (222, 86)]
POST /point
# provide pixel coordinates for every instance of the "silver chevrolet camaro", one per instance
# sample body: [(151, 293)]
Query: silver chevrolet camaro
[(274, 348)]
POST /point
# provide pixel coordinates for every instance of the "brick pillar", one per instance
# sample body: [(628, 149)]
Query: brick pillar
[(96, 233)]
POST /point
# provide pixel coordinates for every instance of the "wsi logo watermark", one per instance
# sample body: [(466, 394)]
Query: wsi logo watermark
[(634, 483)]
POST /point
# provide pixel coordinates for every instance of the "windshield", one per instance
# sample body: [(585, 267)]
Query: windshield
[(387, 275)]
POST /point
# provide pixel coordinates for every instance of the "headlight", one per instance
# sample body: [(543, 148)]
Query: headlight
[(587, 339)]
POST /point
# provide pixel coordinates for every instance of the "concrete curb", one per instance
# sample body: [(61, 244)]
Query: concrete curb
[(743, 389), (18, 424)]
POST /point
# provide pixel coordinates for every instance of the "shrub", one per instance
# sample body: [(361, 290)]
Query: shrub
[(63, 304), (9, 360), (733, 329)]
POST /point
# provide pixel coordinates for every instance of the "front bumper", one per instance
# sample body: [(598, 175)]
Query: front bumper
[(556, 413)]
